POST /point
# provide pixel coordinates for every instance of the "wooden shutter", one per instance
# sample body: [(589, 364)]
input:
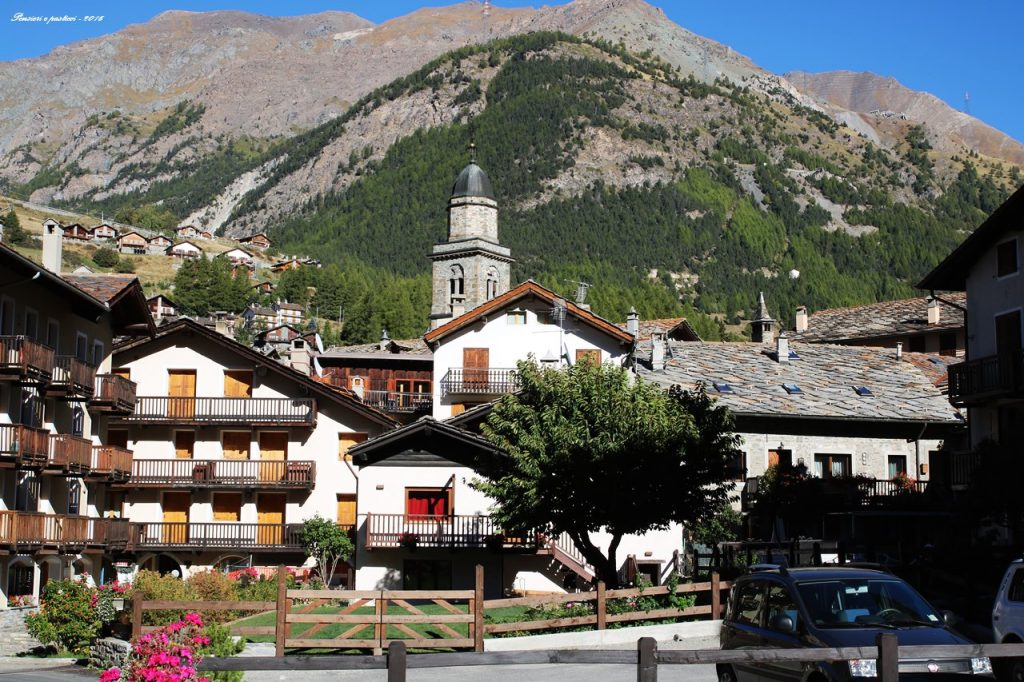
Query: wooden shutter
[(236, 444), (227, 506), (181, 384), (475, 362), (270, 513), (273, 449), (591, 354), (237, 383), (175, 518), (346, 509), (458, 408), (346, 441)]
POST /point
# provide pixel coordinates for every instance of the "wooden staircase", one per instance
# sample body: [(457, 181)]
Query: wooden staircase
[(564, 551)]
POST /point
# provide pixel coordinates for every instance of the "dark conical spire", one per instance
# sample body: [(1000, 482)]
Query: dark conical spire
[(472, 181)]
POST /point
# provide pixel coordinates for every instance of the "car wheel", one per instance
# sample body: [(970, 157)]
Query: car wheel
[(1009, 669), (726, 674)]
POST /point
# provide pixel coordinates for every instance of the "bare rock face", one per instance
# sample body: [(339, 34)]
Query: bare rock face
[(876, 99)]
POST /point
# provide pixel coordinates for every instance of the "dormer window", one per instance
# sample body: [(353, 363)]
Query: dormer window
[(1006, 258), (516, 317)]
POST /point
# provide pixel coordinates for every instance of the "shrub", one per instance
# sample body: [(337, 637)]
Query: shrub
[(214, 586), (125, 266), (262, 589), (150, 585), (222, 644), (105, 258), (66, 617), (103, 600)]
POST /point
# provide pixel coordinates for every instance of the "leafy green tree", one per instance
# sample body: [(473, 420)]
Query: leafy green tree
[(591, 448), (327, 543), (105, 257)]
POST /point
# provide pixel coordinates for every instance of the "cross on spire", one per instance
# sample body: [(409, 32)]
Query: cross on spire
[(472, 152)]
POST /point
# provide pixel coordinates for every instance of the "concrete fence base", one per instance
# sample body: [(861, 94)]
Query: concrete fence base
[(695, 635)]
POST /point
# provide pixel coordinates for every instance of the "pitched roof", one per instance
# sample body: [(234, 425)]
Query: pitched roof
[(182, 243), (677, 328), (825, 374), (524, 290), (427, 441), (336, 394), (253, 236), (906, 317), (951, 273), (416, 348)]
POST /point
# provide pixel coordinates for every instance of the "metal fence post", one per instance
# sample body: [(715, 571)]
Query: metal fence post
[(281, 622), (888, 657), (646, 660), (396, 662)]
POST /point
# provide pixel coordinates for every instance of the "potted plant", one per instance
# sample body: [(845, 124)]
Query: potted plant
[(904, 483), (409, 540)]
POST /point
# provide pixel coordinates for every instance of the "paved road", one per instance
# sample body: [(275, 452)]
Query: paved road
[(504, 673)]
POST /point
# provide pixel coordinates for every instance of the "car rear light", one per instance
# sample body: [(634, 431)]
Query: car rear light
[(863, 667)]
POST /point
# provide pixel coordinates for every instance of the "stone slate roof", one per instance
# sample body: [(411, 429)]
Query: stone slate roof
[(396, 347), (678, 328), (907, 317), (106, 288), (825, 374), (935, 367)]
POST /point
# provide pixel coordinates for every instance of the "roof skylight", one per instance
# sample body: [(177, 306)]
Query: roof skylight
[(722, 387), (792, 388), (863, 391)]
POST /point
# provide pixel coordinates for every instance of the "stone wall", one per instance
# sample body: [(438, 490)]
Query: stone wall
[(109, 652)]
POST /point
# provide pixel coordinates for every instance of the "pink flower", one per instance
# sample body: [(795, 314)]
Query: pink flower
[(195, 619), (110, 675)]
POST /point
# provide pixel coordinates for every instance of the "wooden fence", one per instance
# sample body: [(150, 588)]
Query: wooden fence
[(399, 616), (646, 657)]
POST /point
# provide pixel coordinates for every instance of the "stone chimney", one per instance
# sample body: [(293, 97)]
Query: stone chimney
[(899, 350), (299, 357), (633, 322), (933, 311), (762, 329), (782, 348), (53, 245), (659, 348), (385, 340), (801, 319)]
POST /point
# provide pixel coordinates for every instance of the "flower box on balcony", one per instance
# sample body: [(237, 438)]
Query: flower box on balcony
[(409, 540)]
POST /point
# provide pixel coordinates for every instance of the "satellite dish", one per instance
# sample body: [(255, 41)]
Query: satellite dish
[(319, 342), (794, 274), (317, 368)]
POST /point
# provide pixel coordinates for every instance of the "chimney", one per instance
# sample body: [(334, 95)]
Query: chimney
[(801, 319), (782, 348), (899, 350), (659, 343), (933, 311), (53, 245), (385, 340), (300, 357), (633, 322)]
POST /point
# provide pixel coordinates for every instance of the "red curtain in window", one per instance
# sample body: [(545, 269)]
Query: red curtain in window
[(427, 503)]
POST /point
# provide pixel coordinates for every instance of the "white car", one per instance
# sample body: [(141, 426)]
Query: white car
[(1008, 619)]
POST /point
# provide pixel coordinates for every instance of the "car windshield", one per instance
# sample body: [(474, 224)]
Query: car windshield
[(865, 602)]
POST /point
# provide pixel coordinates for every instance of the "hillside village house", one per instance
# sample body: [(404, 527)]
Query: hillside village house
[(238, 257), (103, 231), (257, 241), (132, 242), (187, 232), (233, 451), (161, 307), (264, 287), (206, 234), (185, 250), (159, 243), (77, 232), (990, 383), (289, 313), (930, 324), (57, 395)]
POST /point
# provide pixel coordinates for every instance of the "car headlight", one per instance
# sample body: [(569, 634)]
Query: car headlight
[(980, 666), (864, 667)]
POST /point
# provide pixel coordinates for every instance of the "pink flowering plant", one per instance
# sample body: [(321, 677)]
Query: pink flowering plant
[(103, 600), (170, 654)]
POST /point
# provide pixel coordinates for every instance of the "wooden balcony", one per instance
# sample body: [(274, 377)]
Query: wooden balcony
[(224, 411), (222, 473), (399, 401), (72, 379), (988, 378), (24, 360), (390, 531), (25, 446), (113, 394), (34, 530), (268, 537), (835, 493), (111, 462), (473, 381), (69, 455)]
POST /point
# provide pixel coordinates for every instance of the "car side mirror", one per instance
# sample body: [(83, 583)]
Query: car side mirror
[(783, 623), (949, 618)]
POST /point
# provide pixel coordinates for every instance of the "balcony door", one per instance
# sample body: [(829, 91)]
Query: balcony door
[(181, 393), (475, 363), (184, 444), (175, 529), (270, 514), (273, 449), (1008, 336), (435, 502)]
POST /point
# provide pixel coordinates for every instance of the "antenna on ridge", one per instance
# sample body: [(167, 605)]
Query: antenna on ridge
[(581, 290)]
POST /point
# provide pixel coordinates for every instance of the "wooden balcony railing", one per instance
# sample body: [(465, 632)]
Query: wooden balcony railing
[(23, 359), (987, 378), (72, 378), (479, 381), (242, 411), (846, 492), (223, 535), (222, 473), (34, 529), (69, 454), (468, 532), (112, 461), (113, 394), (399, 401), (26, 445)]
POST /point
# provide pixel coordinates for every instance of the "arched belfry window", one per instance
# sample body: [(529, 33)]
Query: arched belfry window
[(456, 282), (492, 283)]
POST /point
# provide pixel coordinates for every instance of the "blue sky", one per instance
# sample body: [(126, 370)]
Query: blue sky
[(945, 47)]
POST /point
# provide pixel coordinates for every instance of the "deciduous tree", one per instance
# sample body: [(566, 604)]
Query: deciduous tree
[(327, 543), (591, 448)]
